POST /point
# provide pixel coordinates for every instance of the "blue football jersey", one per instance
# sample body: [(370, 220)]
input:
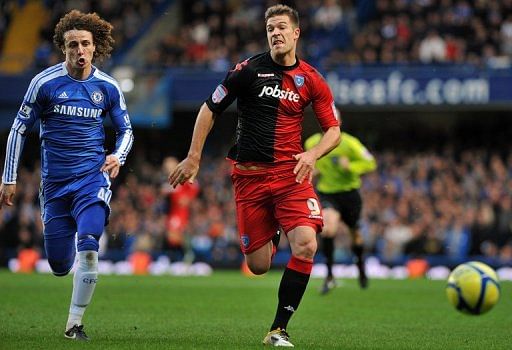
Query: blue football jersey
[(71, 114)]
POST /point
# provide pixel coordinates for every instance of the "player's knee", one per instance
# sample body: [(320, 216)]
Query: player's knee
[(258, 267), (87, 242), (310, 249), (60, 268), (258, 264), (306, 249)]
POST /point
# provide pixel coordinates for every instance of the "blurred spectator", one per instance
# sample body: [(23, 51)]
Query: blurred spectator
[(506, 36), (178, 214), (432, 48), (6, 9), (328, 15)]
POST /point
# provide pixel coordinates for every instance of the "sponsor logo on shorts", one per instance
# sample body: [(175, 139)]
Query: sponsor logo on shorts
[(265, 75), (320, 217)]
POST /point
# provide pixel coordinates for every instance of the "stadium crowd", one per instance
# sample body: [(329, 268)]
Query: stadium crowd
[(128, 17), (216, 33), (5, 18), (427, 204)]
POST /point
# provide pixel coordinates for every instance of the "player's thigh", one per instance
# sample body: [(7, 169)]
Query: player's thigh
[(91, 220), (255, 213), (297, 205), (59, 238), (89, 192), (256, 225)]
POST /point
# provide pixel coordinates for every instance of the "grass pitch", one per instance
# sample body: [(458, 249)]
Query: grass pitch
[(230, 311)]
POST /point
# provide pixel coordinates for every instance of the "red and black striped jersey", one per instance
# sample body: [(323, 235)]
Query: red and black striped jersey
[(270, 104)]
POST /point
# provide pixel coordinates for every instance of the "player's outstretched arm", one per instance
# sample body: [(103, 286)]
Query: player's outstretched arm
[(7, 192), (187, 169)]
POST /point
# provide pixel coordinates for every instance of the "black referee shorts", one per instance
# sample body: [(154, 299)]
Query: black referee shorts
[(348, 204)]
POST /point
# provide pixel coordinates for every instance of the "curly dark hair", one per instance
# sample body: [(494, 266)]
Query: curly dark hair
[(100, 29)]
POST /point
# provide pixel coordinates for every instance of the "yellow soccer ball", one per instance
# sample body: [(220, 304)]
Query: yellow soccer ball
[(473, 288)]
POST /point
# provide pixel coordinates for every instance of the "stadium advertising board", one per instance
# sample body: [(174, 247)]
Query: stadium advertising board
[(455, 87), (398, 88), (450, 86)]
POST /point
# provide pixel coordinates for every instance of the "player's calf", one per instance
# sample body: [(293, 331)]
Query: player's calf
[(84, 280), (357, 250)]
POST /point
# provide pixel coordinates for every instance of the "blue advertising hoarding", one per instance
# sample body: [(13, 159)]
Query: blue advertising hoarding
[(396, 87), (450, 86)]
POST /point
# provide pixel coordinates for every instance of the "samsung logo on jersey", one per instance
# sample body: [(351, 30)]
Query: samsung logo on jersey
[(277, 92), (78, 111)]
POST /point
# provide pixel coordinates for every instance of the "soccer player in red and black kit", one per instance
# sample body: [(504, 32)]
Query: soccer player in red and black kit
[(271, 172)]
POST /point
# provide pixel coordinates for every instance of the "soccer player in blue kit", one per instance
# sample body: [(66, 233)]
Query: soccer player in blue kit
[(71, 101)]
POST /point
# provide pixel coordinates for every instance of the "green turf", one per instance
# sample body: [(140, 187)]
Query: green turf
[(229, 311)]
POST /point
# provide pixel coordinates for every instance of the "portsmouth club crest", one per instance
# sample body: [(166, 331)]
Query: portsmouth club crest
[(299, 80), (97, 97), (244, 239)]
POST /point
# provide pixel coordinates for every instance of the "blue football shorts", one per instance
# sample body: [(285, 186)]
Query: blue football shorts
[(69, 207), (66, 200)]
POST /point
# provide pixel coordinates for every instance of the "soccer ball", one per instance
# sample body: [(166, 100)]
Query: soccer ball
[(473, 288)]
